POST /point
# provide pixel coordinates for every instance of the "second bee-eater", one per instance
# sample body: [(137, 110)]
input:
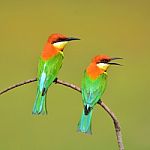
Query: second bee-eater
[(48, 68), (93, 86)]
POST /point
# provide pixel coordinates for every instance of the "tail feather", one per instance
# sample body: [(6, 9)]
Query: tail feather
[(40, 104), (84, 124)]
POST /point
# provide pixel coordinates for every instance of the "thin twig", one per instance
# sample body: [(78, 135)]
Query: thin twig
[(116, 125), (17, 85), (58, 81)]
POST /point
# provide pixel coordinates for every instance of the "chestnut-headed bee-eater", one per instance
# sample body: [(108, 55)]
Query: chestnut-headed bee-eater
[(93, 86), (49, 65)]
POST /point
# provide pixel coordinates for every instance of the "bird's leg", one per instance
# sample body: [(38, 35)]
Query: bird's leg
[(100, 101), (55, 80)]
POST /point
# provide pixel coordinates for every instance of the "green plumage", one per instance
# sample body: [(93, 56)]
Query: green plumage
[(47, 73), (92, 90)]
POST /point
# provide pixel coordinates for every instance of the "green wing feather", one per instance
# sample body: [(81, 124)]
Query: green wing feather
[(47, 73), (51, 67), (92, 90)]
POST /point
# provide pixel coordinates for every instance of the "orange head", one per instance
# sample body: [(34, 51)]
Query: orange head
[(55, 43), (100, 65), (59, 41), (104, 61)]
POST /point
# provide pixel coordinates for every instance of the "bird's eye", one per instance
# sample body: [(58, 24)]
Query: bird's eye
[(59, 40), (104, 61)]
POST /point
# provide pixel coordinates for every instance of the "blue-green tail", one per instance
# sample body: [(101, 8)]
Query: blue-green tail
[(40, 104), (84, 124)]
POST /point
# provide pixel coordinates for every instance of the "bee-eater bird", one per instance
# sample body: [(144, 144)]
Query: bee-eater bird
[(93, 86), (49, 65)]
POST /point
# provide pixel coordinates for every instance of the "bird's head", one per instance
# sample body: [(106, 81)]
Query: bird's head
[(59, 41), (104, 61)]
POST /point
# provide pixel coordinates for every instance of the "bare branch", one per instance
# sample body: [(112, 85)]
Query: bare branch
[(17, 85), (116, 125), (58, 81)]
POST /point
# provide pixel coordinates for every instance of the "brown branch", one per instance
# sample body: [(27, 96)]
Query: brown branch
[(57, 81), (17, 85), (116, 125)]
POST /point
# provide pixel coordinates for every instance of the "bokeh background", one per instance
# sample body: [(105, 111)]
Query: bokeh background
[(112, 27)]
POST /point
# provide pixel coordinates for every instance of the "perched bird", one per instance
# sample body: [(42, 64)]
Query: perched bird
[(48, 68), (93, 86)]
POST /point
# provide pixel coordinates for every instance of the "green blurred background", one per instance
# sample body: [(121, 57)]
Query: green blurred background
[(112, 27)]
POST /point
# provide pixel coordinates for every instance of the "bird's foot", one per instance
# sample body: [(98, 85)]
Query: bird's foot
[(55, 81)]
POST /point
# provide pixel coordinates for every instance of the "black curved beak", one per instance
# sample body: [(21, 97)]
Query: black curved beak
[(71, 39), (113, 63)]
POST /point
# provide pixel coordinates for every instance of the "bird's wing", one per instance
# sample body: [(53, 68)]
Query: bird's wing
[(93, 89), (48, 70)]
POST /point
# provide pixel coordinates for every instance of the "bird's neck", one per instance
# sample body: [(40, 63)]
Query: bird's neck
[(49, 51), (94, 71)]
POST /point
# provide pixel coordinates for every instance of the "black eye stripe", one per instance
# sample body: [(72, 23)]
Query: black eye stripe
[(59, 40), (103, 61)]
